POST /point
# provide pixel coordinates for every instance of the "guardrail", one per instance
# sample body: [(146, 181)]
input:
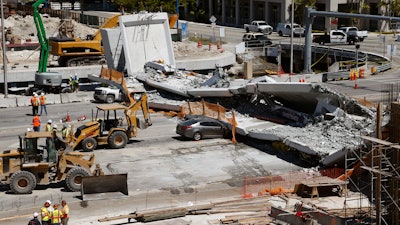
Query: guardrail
[(341, 75)]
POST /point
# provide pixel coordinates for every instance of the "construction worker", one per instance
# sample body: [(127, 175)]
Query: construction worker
[(71, 83), (35, 220), (65, 131), (65, 212), (42, 101), (56, 215), (48, 126), (36, 123), (45, 213), (76, 82), (35, 104)]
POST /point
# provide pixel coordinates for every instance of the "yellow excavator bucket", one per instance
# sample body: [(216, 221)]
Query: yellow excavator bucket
[(104, 187)]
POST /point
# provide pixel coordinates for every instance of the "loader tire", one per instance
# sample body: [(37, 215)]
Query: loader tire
[(22, 182), (117, 139), (89, 144), (74, 178)]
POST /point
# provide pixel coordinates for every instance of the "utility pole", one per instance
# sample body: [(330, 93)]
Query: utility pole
[(3, 42), (291, 41)]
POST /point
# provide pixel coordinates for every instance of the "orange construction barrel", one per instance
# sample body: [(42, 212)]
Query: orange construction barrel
[(362, 75), (373, 70)]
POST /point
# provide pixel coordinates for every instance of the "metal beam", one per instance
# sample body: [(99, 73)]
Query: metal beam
[(311, 13)]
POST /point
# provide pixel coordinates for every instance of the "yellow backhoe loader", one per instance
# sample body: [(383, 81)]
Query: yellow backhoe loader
[(38, 162), (109, 129)]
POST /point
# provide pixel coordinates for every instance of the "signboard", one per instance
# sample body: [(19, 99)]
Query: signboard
[(213, 19), (184, 29), (222, 31)]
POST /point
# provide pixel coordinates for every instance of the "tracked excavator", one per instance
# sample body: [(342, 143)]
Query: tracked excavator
[(108, 128), (81, 52)]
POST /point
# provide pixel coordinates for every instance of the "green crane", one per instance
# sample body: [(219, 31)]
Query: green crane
[(44, 81), (41, 33)]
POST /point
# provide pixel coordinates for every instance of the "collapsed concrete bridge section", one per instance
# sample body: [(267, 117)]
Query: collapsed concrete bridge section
[(317, 122)]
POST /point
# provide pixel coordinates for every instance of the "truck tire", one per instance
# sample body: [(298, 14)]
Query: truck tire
[(89, 144), (117, 139), (110, 99), (22, 182), (280, 33), (73, 179), (361, 39)]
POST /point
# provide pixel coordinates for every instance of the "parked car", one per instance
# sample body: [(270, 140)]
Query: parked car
[(256, 40), (198, 128), (259, 26), (284, 29)]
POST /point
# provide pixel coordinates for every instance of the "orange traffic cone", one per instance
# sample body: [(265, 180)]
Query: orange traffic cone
[(68, 119), (199, 44), (356, 86)]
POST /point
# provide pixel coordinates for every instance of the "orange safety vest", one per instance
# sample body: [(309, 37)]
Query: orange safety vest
[(42, 99), (34, 101), (45, 214), (36, 121), (56, 216)]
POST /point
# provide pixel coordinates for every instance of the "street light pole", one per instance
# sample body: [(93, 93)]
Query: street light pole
[(3, 41)]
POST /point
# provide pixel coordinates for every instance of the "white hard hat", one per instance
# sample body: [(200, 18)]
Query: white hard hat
[(49, 121), (35, 214), (42, 94), (55, 126), (35, 95), (28, 129), (48, 201)]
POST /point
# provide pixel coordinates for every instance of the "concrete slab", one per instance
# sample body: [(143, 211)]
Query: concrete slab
[(146, 37), (223, 59), (297, 94), (167, 87), (210, 92)]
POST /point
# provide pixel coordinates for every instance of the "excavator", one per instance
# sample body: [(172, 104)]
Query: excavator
[(109, 129), (44, 80), (79, 52)]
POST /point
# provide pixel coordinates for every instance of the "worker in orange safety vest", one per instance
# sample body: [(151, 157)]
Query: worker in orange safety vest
[(35, 104), (56, 215), (36, 123), (42, 100)]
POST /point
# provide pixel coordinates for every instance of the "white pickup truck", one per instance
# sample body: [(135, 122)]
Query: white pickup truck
[(284, 29), (361, 34), (258, 26)]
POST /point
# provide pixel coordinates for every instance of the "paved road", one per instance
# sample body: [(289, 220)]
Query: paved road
[(163, 169)]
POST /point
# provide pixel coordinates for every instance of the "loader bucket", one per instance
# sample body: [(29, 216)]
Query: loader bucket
[(104, 187)]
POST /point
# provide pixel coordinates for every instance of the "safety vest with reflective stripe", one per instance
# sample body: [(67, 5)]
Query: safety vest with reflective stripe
[(56, 216), (34, 101), (48, 127), (45, 214), (36, 121), (65, 132), (42, 100)]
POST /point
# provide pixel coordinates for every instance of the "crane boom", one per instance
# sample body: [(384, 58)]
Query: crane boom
[(41, 34)]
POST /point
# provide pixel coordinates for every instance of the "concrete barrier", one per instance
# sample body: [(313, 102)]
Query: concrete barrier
[(53, 99), (76, 97), (23, 101), (64, 97), (8, 102)]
